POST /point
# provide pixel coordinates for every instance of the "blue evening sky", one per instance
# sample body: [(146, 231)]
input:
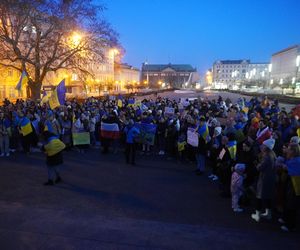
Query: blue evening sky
[(198, 32)]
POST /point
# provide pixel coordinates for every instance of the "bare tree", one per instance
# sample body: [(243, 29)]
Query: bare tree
[(40, 36)]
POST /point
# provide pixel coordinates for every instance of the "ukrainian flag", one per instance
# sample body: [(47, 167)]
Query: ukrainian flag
[(203, 131), (54, 146), (25, 125), (58, 95), (23, 80), (232, 149)]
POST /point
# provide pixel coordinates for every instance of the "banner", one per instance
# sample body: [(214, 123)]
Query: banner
[(169, 111), (147, 133), (192, 137), (82, 138)]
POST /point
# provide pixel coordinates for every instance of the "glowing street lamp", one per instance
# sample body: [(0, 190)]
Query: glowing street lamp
[(76, 39)]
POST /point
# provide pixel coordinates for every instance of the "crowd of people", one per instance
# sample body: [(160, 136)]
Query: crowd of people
[(250, 148)]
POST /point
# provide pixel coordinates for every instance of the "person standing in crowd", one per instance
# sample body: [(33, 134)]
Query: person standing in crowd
[(161, 135), (131, 133), (215, 147), (54, 157), (263, 132), (66, 130), (25, 129), (92, 127), (201, 150), (52, 125), (4, 135), (237, 189), (292, 190), (266, 181)]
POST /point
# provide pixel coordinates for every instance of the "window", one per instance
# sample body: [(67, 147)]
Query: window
[(10, 73), (74, 77), (12, 93)]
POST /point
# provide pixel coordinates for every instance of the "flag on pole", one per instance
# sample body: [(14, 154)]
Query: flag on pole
[(23, 80), (58, 95)]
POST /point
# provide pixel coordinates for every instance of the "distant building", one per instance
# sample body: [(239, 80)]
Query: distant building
[(173, 75), (285, 66), (234, 72), (258, 73), (125, 74), (230, 71)]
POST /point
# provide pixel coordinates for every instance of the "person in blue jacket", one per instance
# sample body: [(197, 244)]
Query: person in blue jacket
[(131, 133)]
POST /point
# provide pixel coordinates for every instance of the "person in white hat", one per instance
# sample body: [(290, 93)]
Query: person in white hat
[(266, 181)]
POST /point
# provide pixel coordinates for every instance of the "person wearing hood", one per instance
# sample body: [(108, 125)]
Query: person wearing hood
[(54, 158), (266, 180), (131, 133)]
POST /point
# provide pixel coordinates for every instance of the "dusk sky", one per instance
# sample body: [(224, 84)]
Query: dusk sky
[(199, 32)]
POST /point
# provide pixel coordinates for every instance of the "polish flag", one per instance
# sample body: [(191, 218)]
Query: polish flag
[(110, 130)]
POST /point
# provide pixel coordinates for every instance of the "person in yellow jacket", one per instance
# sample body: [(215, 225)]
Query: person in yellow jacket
[(54, 157)]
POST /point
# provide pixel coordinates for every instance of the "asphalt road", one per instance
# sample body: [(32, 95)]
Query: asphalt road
[(105, 204)]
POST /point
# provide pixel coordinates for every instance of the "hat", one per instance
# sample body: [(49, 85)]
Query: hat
[(295, 139), (240, 167), (218, 130), (269, 143)]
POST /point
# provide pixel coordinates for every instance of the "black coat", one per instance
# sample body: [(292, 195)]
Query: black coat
[(54, 160)]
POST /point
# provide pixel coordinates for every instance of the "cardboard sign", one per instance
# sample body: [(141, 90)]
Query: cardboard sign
[(169, 111), (192, 137)]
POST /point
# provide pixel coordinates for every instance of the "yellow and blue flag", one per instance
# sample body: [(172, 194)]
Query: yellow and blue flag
[(23, 80), (25, 125), (203, 131), (54, 146), (58, 95), (232, 149)]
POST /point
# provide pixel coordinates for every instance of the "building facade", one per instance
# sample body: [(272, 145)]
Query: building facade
[(126, 75), (169, 75), (258, 74), (76, 86), (285, 66), (230, 71)]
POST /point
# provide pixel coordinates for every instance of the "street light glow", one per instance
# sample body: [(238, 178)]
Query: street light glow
[(76, 39)]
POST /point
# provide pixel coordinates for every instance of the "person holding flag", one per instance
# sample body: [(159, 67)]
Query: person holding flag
[(25, 129), (54, 157), (204, 139)]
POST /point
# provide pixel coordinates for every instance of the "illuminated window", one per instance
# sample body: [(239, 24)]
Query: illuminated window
[(74, 77)]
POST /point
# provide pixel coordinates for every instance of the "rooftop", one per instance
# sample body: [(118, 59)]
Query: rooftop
[(161, 67), (233, 61), (287, 49)]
